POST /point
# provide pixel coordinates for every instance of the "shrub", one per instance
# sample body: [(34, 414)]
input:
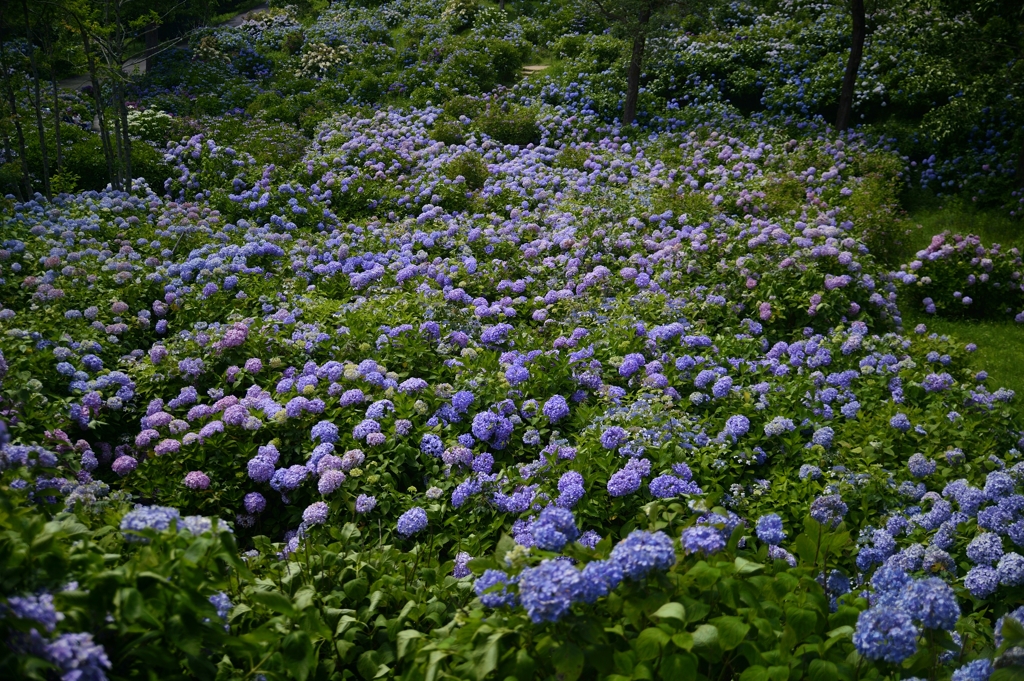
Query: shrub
[(517, 125), (470, 166), (293, 42), (957, 276)]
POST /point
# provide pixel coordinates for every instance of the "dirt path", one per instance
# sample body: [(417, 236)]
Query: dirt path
[(137, 65)]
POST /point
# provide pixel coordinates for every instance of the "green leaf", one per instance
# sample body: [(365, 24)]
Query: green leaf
[(649, 642), (368, 665), (568, 662), (822, 670), (1013, 633), (131, 603), (684, 640), (525, 666), (754, 673), (679, 666), (778, 673), (297, 650), (276, 601), (356, 589), (488, 661), (806, 549), (803, 621), (672, 611), (404, 639), (1008, 674), (705, 636), (747, 567), (731, 631)]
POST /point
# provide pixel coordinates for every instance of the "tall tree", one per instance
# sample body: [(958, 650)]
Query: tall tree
[(37, 99), (635, 20), (857, 38)]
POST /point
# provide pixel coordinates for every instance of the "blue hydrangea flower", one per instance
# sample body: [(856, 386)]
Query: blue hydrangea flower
[(148, 518), (571, 489), (976, 670), (412, 521), (324, 431), (982, 581), (778, 426), (641, 552), (38, 607), (493, 597), (431, 445), (548, 590), (78, 657), (702, 539), (769, 529), (599, 578), (828, 510), (921, 467), (737, 426), (1011, 569), (985, 549), (885, 633), (823, 436), (554, 529), (900, 422), (931, 602)]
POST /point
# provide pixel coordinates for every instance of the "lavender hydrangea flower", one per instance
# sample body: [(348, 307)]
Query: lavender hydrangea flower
[(461, 568), (316, 513), (365, 504), (330, 480), (197, 480), (556, 408), (124, 464), (254, 503), (412, 521), (702, 539)]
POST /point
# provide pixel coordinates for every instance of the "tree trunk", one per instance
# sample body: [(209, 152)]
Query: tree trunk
[(636, 59), (1020, 162), (852, 65), (37, 100), (127, 137), (152, 43), (97, 97), (56, 118)]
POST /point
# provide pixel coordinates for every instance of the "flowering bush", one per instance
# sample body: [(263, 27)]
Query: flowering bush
[(319, 60), (957, 276), (494, 388)]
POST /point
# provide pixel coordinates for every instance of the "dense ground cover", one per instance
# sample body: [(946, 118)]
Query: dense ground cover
[(479, 384)]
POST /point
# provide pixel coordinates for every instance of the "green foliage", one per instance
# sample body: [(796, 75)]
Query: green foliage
[(470, 166), (516, 125)]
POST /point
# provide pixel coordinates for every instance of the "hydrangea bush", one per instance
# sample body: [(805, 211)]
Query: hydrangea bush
[(494, 388)]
